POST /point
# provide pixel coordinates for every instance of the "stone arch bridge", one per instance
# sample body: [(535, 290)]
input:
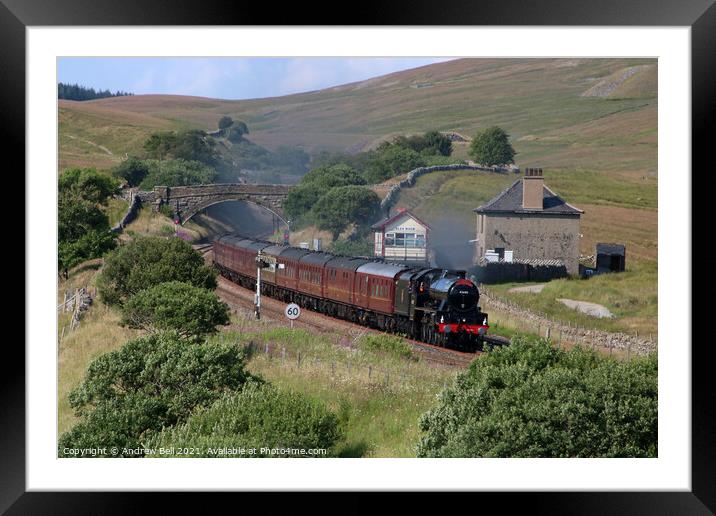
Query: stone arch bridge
[(187, 201)]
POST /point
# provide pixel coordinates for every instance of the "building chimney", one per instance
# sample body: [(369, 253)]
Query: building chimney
[(532, 189)]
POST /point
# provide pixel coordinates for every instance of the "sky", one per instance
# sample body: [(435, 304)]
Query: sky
[(226, 78)]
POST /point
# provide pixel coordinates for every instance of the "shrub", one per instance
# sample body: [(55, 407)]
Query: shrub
[(260, 416), (190, 311), (132, 170), (147, 384), (390, 344), (344, 205), (531, 400), (392, 161), (176, 172), (149, 261), (492, 147)]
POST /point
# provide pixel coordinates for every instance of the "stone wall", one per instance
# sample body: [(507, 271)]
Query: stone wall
[(135, 202), (631, 344)]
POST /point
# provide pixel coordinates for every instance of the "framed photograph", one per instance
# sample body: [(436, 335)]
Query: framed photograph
[(423, 257)]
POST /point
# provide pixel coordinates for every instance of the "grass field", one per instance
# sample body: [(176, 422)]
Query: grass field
[(538, 101), (378, 413)]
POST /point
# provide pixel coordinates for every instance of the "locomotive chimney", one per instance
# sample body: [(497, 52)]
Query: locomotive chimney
[(532, 189)]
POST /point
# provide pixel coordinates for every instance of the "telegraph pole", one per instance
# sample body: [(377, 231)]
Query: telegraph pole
[(257, 298)]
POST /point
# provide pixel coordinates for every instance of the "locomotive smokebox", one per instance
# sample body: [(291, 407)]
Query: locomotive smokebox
[(461, 294)]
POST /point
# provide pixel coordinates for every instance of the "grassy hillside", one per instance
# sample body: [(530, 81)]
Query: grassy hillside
[(540, 102)]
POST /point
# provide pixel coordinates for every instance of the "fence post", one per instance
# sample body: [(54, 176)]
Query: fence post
[(549, 331), (333, 368), (629, 351), (370, 371), (298, 362), (283, 354), (266, 348)]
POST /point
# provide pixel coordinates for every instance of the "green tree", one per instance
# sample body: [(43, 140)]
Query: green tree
[(259, 416), (316, 183), (90, 245), (392, 161), (176, 172), (344, 205), (132, 170), (190, 145), (192, 312), (148, 384), (87, 184), (225, 122), (532, 400), (83, 227), (492, 147), (149, 261)]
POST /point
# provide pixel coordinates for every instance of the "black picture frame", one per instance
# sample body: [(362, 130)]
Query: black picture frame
[(700, 15)]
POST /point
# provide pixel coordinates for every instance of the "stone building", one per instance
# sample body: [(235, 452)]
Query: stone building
[(528, 222)]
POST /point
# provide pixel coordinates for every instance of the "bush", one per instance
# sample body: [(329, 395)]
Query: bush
[(146, 385), (132, 170), (149, 261), (391, 162), (191, 311), (390, 344), (261, 417), (531, 400), (176, 172), (344, 205), (492, 147), (316, 183)]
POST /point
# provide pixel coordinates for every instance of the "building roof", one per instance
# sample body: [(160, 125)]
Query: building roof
[(381, 224), (603, 248), (510, 201)]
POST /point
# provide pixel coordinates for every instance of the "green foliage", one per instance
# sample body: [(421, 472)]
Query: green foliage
[(167, 211), (88, 246), (358, 247), (316, 183), (192, 312), (384, 343), (87, 184), (132, 170), (430, 143), (492, 147), (225, 121), (344, 205), (531, 400), (260, 416), (146, 385), (191, 145), (176, 172), (392, 161), (83, 228), (149, 261)]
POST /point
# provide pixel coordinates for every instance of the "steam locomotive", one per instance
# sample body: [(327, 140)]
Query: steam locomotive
[(436, 306)]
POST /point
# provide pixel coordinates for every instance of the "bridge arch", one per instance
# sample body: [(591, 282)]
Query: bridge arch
[(187, 201), (187, 217)]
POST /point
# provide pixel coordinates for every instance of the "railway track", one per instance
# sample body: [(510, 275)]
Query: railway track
[(273, 309)]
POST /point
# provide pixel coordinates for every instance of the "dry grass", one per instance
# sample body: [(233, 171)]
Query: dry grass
[(533, 99), (99, 332)]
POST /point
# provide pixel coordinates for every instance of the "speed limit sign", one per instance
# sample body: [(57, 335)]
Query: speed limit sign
[(292, 311)]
